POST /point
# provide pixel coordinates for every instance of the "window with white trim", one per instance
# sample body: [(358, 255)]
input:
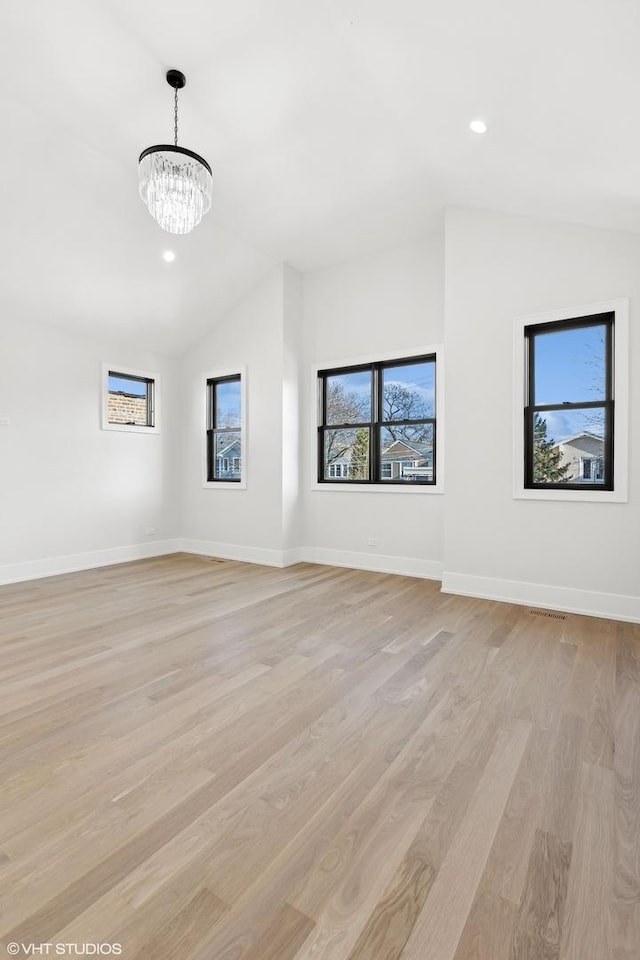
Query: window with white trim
[(571, 404), (224, 429), (377, 422), (130, 400), (569, 416)]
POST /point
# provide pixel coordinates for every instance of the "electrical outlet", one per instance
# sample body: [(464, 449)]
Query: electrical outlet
[(150, 532), (373, 541), (4, 421)]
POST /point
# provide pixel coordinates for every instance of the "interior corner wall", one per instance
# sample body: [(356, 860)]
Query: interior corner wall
[(572, 555), (371, 307), (238, 523), (73, 495), (292, 425)]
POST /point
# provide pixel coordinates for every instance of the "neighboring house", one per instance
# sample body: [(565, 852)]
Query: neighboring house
[(126, 408), (340, 467), (229, 461), (584, 452), (399, 460), (403, 459)]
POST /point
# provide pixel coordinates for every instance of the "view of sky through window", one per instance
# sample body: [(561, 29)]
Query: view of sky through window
[(228, 403), (409, 391), (349, 397), (570, 368), (122, 384)]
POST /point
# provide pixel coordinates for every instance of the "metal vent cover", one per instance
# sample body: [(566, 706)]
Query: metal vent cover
[(548, 614)]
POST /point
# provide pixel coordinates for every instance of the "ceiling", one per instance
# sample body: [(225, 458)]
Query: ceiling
[(334, 128)]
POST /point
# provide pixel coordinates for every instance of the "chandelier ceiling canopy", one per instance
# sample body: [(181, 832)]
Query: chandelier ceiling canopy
[(176, 184)]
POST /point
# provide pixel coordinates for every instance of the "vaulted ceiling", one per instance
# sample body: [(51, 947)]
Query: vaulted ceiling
[(334, 128)]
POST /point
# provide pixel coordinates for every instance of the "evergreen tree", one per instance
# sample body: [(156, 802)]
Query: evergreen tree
[(360, 456), (546, 455)]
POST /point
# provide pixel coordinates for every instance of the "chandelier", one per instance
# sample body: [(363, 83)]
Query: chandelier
[(176, 184)]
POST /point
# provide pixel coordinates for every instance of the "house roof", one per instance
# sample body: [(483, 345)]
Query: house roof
[(422, 449), (234, 446), (579, 436)]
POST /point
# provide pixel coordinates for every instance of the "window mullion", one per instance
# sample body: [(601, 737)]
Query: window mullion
[(374, 431)]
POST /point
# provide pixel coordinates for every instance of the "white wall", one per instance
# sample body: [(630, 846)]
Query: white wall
[(371, 307), (574, 555), (71, 494), (237, 522), (374, 306), (69, 489), (292, 423)]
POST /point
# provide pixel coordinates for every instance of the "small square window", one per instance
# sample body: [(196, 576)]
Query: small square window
[(130, 400)]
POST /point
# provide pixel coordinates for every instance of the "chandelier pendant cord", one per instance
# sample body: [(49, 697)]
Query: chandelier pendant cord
[(175, 117)]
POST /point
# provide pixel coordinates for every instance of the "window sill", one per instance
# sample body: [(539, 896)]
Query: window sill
[(577, 496), (130, 428), (224, 485), (337, 487)]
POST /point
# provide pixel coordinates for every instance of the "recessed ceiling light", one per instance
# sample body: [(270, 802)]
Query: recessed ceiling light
[(168, 256), (478, 126)]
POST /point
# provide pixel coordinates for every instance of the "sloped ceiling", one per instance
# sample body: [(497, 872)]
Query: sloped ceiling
[(334, 128)]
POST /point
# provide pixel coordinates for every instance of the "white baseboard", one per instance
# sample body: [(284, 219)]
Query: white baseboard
[(51, 566), (378, 563), (570, 600), (589, 603), (293, 556), (405, 566), (235, 551), (70, 563)]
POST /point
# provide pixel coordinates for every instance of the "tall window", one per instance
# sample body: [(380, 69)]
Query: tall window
[(377, 422), (224, 429), (569, 413)]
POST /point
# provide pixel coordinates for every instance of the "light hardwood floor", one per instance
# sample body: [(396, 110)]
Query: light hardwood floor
[(208, 760)]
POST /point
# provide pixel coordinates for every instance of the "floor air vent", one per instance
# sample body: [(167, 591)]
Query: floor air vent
[(548, 614)]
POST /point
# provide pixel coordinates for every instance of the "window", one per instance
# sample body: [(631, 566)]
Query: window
[(592, 468), (377, 423), (569, 415), (130, 400), (224, 429)]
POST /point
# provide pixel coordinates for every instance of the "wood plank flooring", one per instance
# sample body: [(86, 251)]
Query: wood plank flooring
[(208, 760)]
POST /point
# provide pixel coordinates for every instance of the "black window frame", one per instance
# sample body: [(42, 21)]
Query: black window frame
[(213, 430), (376, 424), (605, 319), (150, 399)]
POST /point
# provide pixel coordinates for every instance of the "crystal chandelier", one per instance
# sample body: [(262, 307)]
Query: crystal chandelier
[(176, 184)]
